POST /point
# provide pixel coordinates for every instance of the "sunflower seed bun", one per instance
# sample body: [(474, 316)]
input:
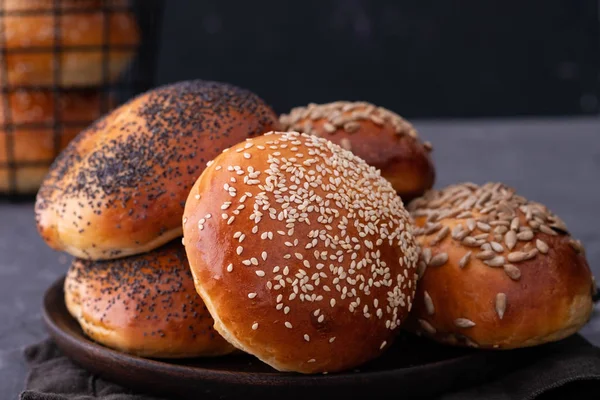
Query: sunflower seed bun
[(144, 305), (497, 270), (37, 135), (302, 252), (379, 136), (31, 25), (119, 188)]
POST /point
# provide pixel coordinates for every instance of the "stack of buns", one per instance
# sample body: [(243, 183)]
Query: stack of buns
[(202, 223), (114, 200), (56, 65)]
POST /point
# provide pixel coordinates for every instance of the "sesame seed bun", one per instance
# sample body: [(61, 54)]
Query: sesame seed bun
[(379, 136), (31, 34), (497, 270), (119, 188), (32, 147), (144, 305), (301, 251)]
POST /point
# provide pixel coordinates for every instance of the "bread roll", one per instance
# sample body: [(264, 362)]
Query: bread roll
[(32, 32), (144, 305), (302, 253), (497, 270), (27, 155), (119, 188), (379, 136)]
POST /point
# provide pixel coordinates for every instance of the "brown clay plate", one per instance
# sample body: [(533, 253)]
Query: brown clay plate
[(413, 366)]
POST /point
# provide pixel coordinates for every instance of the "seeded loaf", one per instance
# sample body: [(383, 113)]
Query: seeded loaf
[(379, 136), (27, 154), (302, 252), (496, 270), (144, 305), (30, 24), (119, 188)]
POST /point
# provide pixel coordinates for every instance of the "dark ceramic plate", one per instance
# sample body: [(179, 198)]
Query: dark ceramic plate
[(411, 367)]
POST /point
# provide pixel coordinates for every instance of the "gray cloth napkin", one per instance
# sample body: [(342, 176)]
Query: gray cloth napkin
[(563, 370)]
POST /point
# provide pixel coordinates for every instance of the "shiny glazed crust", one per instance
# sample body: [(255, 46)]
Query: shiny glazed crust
[(144, 305), (119, 188), (380, 137), (497, 271), (302, 253)]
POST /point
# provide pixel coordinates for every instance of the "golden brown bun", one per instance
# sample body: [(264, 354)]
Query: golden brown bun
[(380, 137), (144, 305), (119, 188), (33, 148), (31, 36), (311, 268), (526, 282)]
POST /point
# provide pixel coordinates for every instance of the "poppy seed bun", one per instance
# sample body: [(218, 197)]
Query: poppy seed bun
[(119, 188), (497, 270), (302, 253), (380, 137), (32, 148), (31, 25), (144, 305)]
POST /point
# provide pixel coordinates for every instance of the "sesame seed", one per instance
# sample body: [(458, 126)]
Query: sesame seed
[(306, 337), (251, 295), (382, 345), (255, 326), (247, 156), (239, 250), (288, 325), (332, 339), (260, 273), (230, 268)]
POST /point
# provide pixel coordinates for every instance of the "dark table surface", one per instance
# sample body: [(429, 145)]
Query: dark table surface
[(554, 161)]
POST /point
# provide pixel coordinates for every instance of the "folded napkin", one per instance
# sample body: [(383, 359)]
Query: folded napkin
[(563, 370)]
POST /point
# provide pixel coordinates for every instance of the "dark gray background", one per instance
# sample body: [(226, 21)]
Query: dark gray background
[(430, 58)]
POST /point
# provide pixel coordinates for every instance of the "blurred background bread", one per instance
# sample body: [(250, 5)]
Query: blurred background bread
[(144, 305), (120, 187), (41, 127), (83, 32), (496, 270), (301, 252), (380, 137)]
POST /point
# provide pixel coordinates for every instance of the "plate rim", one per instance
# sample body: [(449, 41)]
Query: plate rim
[(275, 378)]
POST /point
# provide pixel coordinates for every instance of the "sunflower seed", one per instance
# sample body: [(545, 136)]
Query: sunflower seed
[(441, 235), (497, 261), (547, 230), (351, 127), (471, 224), (512, 271), (483, 227), (329, 128), (428, 303), (432, 228), (577, 246), (470, 241), (421, 268), (464, 214), (531, 254), (514, 224), (510, 239), (497, 247), (470, 343), (481, 236), (458, 232), (485, 255), (486, 247), (525, 236), (426, 254), (534, 224), (500, 304), (517, 256), (541, 246), (438, 260), (498, 222), (500, 230), (464, 323), (464, 260), (427, 327)]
